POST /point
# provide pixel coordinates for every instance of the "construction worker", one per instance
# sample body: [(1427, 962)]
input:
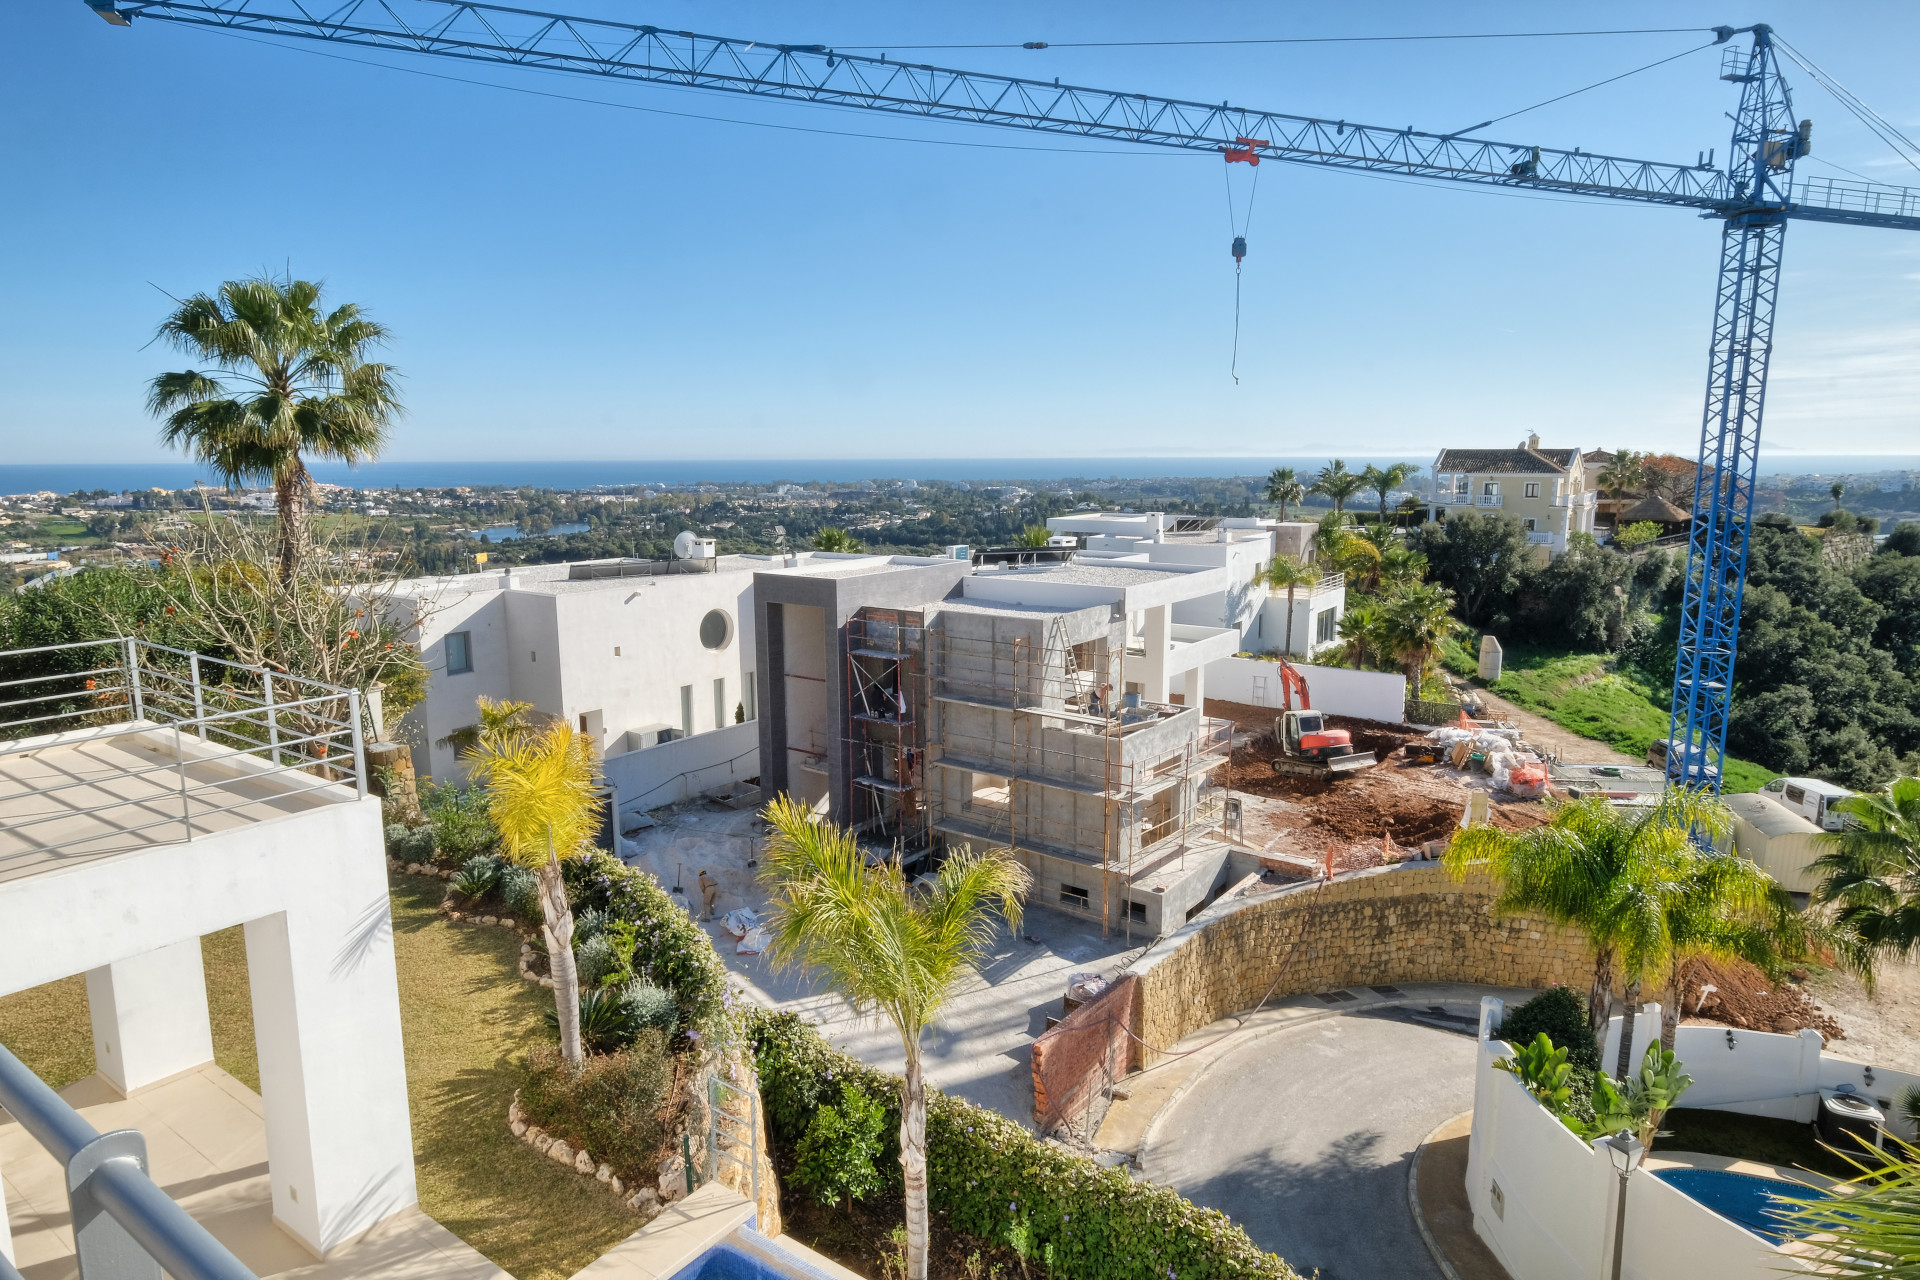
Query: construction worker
[(709, 894)]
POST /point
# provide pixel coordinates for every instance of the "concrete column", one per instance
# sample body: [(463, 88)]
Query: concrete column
[(150, 1016), (1195, 688), (326, 1019), (1153, 668)]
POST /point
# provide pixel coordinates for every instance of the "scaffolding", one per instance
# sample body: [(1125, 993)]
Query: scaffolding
[(1070, 772), (886, 725)]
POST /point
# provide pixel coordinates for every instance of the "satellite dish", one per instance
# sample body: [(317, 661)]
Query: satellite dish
[(688, 545)]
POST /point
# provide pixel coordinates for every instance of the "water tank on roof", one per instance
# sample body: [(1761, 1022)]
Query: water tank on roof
[(689, 546)]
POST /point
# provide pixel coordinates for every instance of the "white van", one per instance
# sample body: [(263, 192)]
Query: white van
[(1811, 799)]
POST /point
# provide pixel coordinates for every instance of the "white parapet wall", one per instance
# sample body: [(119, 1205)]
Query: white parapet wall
[(1367, 695), (684, 768), (310, 885)]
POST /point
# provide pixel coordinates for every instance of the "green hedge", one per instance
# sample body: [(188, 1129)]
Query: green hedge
[(997, 1182), (671, 951)]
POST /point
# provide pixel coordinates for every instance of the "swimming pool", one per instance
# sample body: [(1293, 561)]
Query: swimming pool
[(1754, 1203)]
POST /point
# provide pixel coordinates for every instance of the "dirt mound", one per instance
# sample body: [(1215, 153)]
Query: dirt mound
[(1744, 997)]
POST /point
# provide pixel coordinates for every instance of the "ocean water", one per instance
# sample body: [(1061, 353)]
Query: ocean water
[(67, 477)]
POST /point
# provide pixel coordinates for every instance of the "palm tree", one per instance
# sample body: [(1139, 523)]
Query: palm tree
[(1384, 479), (835, 540), (1401, 565), (1598, 869), (542, 794), (1284, 487), (1363, 627), (1837, 488), (1723, 907), (1337, 483), (1288, 573), (1034, 535), (886, 948), (1872, 876), (1418, 620), (301, 384), (496, 719), (1623, 473), (1873, 1229)]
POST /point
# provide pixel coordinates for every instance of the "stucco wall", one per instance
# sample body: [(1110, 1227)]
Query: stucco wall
[(1371, 695), (1408, 923)]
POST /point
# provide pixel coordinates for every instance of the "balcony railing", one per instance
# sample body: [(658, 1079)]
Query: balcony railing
[(128, 693), (1489, 500), (124, 1226)]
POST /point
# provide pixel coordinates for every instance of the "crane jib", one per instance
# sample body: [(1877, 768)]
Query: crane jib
[(1754, 196)]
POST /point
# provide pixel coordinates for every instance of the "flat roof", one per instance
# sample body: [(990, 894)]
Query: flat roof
[(1091, 574), (553, 579), (1768, 816)]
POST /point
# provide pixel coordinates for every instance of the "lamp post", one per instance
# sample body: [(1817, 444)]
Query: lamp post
[(1624, 1150)]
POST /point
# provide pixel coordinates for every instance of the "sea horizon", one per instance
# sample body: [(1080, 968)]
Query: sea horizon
[(65, 478)]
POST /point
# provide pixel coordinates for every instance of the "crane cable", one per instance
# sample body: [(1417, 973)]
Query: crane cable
[(1237, 226)]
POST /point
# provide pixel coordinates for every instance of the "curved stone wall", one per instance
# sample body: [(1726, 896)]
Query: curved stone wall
[(1407, 923)]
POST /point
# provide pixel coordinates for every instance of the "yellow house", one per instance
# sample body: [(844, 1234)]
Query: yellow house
[(1548, 490)]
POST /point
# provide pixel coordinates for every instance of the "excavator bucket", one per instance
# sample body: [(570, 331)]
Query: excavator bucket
[(1351, 764)]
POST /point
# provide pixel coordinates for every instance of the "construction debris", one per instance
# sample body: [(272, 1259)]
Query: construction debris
[(1737, 994)]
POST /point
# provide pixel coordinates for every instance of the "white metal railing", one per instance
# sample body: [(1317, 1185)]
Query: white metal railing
[(1490, 499), (1330, 582), (305, 732)]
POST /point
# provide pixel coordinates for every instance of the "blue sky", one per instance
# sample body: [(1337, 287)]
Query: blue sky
[(569, 280)]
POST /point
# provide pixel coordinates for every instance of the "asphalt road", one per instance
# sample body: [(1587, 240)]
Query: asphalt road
[(1304, 1138)]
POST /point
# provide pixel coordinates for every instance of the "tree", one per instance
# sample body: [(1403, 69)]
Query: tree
[(1600, 870), (1334, 481), (1720, 906), (1836, 490), (542, 794), (1363, 626), (887, 949), (299, 383), (1288, 573), (1903, 541), (1417, 620), (1637, 535), (1871, 877), (1034, 535), (1284, 488), (835, 540), (1383, 480), (1893, 583), (1622, 474), (1872, 1229), (1482, 559)]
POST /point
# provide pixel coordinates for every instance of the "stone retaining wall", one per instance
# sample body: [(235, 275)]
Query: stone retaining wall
[(1407, 923)]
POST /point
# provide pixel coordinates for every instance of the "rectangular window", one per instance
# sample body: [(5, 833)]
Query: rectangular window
[(1530, 523), (1533, 488), (1072, 895), (747, 690), (686, 711), (1461, 484), (1491, 489), (720, 716), (459, 647), (1137, 912), (1324, 627)]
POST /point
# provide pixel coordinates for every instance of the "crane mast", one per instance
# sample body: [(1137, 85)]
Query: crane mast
[(1755, 197)]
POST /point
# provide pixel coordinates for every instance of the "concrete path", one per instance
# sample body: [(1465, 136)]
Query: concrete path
[(978, 1049)]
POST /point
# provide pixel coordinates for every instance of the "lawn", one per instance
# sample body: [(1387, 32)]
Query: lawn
[(1593, 695), (467, 1019), (1740, 1137)]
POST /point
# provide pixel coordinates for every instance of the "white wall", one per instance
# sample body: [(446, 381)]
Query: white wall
[(679, 770), (1369, 695)]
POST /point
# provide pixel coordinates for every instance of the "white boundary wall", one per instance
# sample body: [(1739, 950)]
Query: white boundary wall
[(1761, 1074), (682, 769), (1368, 695), (1544, 1201)]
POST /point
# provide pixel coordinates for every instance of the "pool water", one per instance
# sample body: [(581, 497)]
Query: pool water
[(1758, 1204)]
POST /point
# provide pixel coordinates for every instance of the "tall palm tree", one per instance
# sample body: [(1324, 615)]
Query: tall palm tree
[(1383, 480), (1034, 535), (542, 794), (1288, 573), (1363, 628), (299, 384), (1401, 565), (1284, 488), (1623, 473), (1722, 907), (1874, 1229), (1418, 621), (1336, 482), (888, 949), (1871, 876), (1837, 489), (1598, 869)]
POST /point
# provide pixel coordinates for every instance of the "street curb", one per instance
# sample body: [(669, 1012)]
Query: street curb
[(1413, 1202)]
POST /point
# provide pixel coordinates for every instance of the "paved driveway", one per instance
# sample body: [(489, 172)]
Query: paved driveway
[(1304, 1138)]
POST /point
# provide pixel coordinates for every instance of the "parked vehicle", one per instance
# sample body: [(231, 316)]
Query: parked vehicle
[(1657, 753), (1811, 798)]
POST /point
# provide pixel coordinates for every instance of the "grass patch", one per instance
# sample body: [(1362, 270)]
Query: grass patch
[(1770, 1141), (1591, 694), (51, 1030), (468, 1021)]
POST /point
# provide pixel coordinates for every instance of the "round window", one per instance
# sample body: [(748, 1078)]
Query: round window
[(716, 629)]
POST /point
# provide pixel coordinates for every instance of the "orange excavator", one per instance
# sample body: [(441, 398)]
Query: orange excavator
[(1309, 747)]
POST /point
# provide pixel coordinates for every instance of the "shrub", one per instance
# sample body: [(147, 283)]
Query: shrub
[(1563, 1016), (458, 820), (610, 1104), (409, 844), (649, 1007), (588, 924), (520, 892), (997, 1182), (593, 958), (836, 1160), (478, 876), (670, 951)]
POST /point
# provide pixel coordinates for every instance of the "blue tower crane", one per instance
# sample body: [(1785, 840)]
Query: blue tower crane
[(1754, 197)]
